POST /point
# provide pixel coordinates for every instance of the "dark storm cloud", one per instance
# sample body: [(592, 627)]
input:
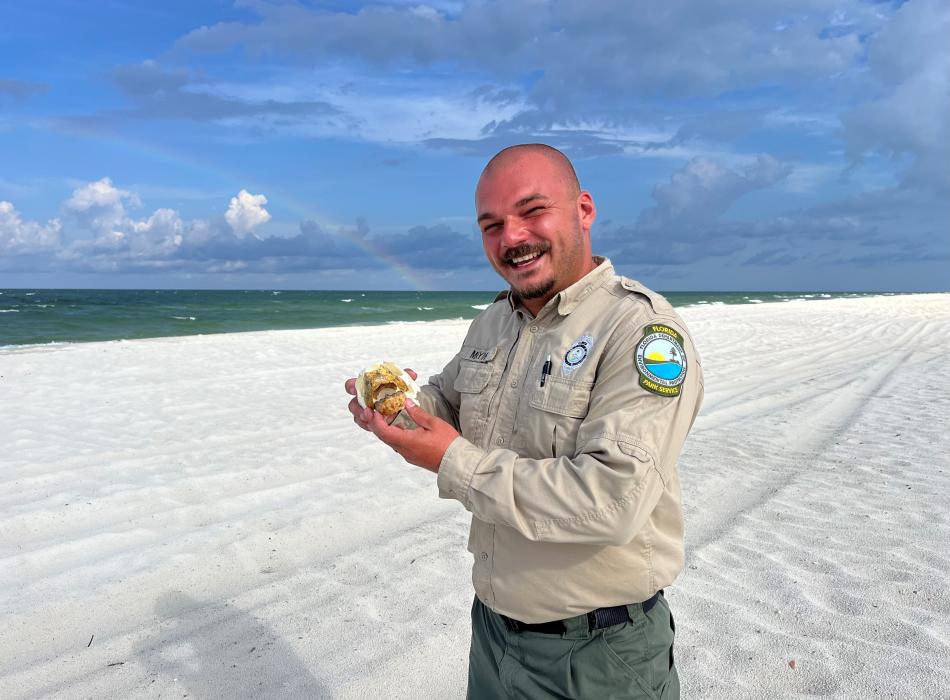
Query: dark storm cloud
[(689, 223)]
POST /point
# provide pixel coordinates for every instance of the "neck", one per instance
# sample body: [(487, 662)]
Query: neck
[(535, 305)]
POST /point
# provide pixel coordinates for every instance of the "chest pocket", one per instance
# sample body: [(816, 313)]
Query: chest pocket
[(472, 377), (476, 368), (561, 404), (563, 397)]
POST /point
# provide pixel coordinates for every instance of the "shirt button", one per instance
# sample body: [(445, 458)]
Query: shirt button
[(499, 440), (534, 329), (514, 383), (484, 556)]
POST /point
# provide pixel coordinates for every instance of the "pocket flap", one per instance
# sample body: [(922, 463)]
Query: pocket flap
[(478, 353), (472, 377), (563, 396)]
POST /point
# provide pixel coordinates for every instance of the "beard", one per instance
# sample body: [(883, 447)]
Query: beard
[(540, 288), (537, 291)]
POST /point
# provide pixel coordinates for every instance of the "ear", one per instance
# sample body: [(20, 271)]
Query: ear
[(586, 210)]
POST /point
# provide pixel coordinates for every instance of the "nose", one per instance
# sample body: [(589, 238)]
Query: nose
[(513, 232)]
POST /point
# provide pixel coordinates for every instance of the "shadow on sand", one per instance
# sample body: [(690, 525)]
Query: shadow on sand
[(212, 650)]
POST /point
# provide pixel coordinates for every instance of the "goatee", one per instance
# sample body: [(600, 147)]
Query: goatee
[(537, 291)]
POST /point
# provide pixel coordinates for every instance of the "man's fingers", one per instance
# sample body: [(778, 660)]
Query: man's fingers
[(391, 435), (411, 373), (350, 386), (418, 415)]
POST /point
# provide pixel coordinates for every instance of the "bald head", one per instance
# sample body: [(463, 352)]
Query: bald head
[(521, 156)]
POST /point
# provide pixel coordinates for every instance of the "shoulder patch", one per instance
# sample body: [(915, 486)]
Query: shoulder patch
[(661, 360)]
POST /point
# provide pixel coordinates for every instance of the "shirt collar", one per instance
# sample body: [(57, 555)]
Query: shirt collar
[(568, 299)]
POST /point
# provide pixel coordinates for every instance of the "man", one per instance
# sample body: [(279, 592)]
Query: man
[(558, 425)]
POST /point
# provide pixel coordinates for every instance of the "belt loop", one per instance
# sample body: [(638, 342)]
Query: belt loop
[(577, 627)]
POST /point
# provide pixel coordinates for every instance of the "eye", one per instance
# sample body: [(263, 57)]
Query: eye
[(534, 210), (491, 227)]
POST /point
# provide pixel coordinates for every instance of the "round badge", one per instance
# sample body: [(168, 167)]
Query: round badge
[(576, 354), (661, 360)]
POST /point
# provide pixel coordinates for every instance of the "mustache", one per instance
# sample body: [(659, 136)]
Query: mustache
[(525, 249)]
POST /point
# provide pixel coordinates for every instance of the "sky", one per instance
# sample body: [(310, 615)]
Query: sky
[(781, 145)]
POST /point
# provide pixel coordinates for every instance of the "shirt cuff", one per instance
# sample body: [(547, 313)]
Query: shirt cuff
[(457, 469)]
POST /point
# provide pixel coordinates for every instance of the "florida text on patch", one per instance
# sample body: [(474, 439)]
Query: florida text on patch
[(661, 360)]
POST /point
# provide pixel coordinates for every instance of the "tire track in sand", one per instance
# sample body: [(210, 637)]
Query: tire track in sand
[(821, 419)]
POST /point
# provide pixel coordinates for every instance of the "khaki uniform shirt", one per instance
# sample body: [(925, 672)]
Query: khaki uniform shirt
[(573, 487)]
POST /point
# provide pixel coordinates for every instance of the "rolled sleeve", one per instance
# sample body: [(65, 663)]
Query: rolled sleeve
[(457, 469)]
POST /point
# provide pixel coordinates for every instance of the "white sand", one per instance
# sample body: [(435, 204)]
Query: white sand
[(205, 512)]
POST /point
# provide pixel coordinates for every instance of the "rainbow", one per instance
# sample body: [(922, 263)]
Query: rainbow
[(299, 208)]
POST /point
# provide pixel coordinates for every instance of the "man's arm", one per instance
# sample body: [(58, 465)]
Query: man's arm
[(627, 447), (439, 397)]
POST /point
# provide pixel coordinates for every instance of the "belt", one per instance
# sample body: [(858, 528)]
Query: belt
[(596, 619)]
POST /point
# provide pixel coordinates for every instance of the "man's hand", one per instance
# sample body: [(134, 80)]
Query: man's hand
[(423, 446), (361, 416)]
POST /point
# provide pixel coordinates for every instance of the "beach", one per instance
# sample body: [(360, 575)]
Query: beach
[(198, 516)]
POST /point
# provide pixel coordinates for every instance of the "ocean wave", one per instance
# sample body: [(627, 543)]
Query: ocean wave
[(346, 300), (480, 307), (756, 301), (9, 311), (184, 318), (440, 321), (424, 308)]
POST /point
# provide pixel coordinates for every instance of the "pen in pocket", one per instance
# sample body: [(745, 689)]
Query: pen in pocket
[(545, 370)]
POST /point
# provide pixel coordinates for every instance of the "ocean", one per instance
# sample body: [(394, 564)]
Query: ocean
[(42, 316)]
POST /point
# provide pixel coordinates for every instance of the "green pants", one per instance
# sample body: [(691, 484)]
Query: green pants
[(629, 660)]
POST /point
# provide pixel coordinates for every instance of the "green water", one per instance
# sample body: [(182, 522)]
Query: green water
[(34, 316)]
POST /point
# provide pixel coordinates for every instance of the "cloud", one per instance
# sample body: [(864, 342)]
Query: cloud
[(684, 224), (704, 190), (20, 237), (910, 116), (560, 68), (155, 92), (572, 51), (101, 209), (246, 212), (100, 235), (688, 224), (161, 234), (100, 206), (432, 247), (21, 89)]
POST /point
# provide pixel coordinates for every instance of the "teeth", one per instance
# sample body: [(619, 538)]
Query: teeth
[(525, 258)]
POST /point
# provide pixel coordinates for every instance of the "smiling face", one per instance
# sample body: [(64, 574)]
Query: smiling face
[(535, 222)]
